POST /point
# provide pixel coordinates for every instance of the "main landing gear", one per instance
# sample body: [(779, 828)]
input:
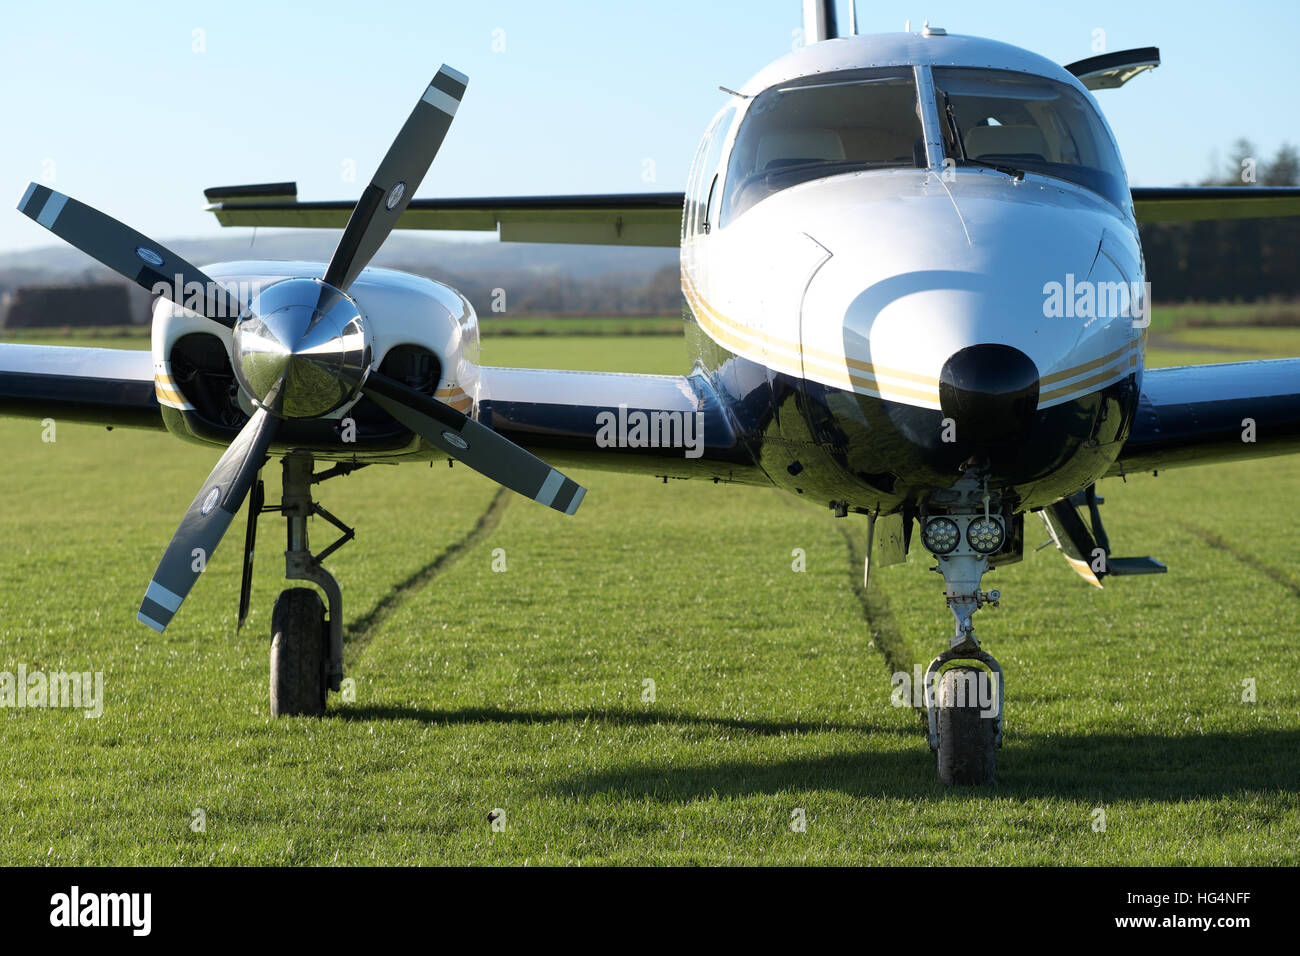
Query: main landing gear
[(963, 685), (306, 633)]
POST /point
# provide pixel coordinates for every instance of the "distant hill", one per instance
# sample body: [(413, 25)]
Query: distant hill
[(537, 278)]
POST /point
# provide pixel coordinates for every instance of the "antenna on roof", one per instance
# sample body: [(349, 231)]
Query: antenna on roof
[(819, 21), (853, 18)]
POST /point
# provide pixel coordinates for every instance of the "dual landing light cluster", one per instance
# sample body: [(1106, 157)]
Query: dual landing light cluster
[(984, 533)]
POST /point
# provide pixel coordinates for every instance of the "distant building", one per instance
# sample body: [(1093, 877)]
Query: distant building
[(32, 307)]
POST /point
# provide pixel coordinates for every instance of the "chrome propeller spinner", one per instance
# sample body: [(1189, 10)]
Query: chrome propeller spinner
[(301, 349)]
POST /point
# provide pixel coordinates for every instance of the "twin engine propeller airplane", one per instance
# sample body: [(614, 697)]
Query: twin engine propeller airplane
[(868, 236)]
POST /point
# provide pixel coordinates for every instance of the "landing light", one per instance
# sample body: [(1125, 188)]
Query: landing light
[(940, 535), (985, 535)]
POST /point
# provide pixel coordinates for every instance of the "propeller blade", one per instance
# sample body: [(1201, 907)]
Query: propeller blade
[(397, 178), (478, 446), (130, 254), (206, 521)]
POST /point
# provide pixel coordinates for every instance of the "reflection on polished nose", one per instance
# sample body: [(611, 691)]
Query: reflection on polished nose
[(990, 391), (301, 349)]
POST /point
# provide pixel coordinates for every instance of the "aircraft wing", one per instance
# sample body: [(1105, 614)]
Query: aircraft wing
[(1201, 414), (628, 219), (80, 385), (654, 219), (1112, 70), (671, 426)]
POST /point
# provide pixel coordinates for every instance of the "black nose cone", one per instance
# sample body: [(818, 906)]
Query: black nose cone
[(990, 392)]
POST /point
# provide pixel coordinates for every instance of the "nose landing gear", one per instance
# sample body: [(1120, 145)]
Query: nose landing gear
[(306, 641), (964, 685)]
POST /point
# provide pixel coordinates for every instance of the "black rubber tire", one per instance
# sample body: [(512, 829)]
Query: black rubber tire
[(968, 749), (299, 654)]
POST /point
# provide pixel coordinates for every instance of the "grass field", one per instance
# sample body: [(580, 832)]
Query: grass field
[(137, 336), (523, 690)]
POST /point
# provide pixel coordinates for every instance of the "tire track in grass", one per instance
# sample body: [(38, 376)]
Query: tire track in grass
[(359, 632), (1277, 575), (885, 635)]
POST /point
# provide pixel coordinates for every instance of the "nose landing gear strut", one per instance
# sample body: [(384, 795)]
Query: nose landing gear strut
[(964, 685), (306, 643)]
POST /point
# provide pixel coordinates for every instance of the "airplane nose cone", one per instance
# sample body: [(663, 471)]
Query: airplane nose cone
[(990, 392)]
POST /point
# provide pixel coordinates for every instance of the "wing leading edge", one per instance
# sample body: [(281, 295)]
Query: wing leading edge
[(80, 385), (1202, 414)]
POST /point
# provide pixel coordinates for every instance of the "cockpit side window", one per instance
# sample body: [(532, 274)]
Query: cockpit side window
[(820, 126), (1030, 123), (703, 175)]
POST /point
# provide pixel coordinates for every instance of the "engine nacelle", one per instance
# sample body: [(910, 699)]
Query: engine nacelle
[(422, 333)]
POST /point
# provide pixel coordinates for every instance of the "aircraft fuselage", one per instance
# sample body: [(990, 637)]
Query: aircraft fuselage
[(879, 330)]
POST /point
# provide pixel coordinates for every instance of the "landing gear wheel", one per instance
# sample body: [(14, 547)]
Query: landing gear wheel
[(968, 736), (299, 652)]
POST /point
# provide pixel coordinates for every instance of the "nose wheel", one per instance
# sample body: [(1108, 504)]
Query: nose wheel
[(963, 701), (299, 654), (306, 632)]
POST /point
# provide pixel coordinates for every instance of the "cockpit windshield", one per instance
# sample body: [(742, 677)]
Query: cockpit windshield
[(821, 126), (1021, 122)]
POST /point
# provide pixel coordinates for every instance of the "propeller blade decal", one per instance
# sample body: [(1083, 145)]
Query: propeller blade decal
[(130, 254), (478, 446), (398, 177), (206, 521)]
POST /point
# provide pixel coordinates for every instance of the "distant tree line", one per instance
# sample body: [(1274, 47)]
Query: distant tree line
[(1230, 260), (42, 306)]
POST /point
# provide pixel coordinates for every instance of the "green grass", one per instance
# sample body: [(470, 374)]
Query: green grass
[(1196, 346), (109, 337), (580, 325), (651, 354), (523, 690), (1231, 314), (492, 326)]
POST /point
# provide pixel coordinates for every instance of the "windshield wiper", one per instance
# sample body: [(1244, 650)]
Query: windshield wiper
[(955, 133)]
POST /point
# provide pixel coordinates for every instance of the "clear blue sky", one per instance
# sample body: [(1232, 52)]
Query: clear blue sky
[(137, 123)]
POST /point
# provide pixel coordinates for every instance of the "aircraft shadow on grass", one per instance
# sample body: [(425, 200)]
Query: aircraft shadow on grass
[(1139, 766)]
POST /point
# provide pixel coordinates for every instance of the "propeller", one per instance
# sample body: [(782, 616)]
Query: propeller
[(206, 521), (301, 348), (486, 451), (130, 254), (397, 177)]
